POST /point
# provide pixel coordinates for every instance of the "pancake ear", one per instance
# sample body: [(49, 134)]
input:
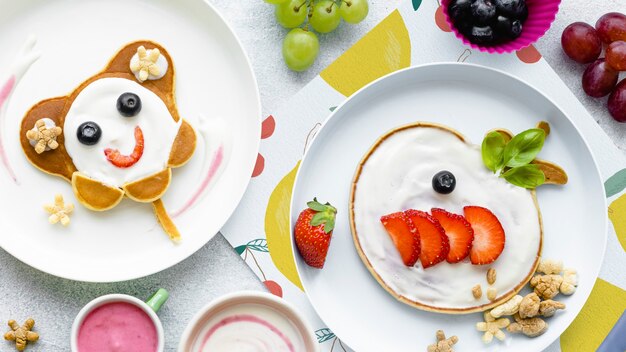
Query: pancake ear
[(184, 145), (119, 66), (120, 63), (57, 161)]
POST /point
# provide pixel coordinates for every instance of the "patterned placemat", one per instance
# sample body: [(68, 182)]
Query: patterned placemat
[(413, 34)]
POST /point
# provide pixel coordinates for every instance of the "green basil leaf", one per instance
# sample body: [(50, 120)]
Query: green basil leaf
[(527, 176), (524, 147), (493, 150)]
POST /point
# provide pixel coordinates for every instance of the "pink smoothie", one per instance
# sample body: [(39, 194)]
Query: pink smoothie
[(117, 327)]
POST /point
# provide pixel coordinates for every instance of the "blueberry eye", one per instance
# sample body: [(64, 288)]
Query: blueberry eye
[(129, 104), (444, 182), (88, 133)]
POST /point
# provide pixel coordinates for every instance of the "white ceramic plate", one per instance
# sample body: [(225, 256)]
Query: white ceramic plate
[(214, 79), (473, 100)]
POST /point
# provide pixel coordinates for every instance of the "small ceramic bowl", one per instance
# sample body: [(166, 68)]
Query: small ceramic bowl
[(541, 14), (150, 308), (193, 333)]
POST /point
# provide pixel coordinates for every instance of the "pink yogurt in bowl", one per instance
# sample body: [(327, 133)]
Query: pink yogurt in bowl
[(119, 323), (248, 321)]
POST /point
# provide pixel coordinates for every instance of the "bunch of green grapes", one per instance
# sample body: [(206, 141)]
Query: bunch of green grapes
[(301, 46)]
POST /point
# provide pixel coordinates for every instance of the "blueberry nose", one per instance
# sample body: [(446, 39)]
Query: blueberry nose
[(444, 182), (88, 133), (129, 104)]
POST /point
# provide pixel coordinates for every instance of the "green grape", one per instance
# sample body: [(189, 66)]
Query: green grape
[(291, 13), (300, 49), (353, 11), (325, 17), (275, 2)]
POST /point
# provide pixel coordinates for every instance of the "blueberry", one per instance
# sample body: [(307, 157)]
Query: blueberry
[(460, 10), (88, 133), (506, 28), (465, 28), (515, 9), (482, 35), (483, 11), (129, 104), (444, 182), (516, 29), (501, 26)]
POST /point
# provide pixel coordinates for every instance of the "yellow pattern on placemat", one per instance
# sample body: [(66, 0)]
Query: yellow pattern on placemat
[(602, 310), (277, 228), (617, 214), (385, 49)]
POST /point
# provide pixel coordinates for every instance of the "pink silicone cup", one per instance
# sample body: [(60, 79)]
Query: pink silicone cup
[(541, 14)]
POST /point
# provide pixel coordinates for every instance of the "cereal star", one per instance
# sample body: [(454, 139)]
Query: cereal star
[(147, 63), (491, 326), (22, 335), (44, 136), (443, 344), (59, 211)]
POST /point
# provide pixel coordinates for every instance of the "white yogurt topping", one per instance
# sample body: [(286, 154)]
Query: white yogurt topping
[(249, 328), (98, 103), (398, 176)]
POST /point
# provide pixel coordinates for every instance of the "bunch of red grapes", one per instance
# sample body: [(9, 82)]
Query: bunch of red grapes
[(583, 43)]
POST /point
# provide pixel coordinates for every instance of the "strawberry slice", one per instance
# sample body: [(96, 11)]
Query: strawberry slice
[(489, 235), (120, 160), (404, 236), (459, 232), (433, 240)]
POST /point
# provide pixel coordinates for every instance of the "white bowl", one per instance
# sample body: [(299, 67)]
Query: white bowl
[(197, 323)]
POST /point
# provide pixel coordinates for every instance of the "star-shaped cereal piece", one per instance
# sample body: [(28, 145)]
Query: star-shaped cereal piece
[(491, 326), (44, 136), (443, 344), (59, 211), (22, 335), (147, 63)]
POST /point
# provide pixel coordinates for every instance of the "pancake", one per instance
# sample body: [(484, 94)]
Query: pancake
[(395, 175), (134, 151)]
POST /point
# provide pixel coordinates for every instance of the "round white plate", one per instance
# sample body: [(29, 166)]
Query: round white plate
[(214, 80), (471, 99)]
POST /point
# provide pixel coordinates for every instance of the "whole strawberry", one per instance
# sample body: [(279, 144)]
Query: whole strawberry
[(313, 231)]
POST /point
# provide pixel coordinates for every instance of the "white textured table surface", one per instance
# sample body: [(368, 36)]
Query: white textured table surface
[(216, 268)]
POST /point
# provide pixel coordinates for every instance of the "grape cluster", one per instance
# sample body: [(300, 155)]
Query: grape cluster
[(584, 43), (301, 46)]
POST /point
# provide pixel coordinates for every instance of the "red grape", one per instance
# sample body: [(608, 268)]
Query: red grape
[(617, 102), (616, 55), (581, 42), (599, 79), (612, 27)]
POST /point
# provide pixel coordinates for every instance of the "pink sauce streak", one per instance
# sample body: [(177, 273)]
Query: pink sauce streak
[(218, 157), (248, 319), (4, 95)]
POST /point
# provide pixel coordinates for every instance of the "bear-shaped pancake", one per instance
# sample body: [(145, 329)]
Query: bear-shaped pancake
[(122, 132)]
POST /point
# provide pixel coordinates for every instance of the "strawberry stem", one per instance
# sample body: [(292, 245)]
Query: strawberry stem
[(325, 215)]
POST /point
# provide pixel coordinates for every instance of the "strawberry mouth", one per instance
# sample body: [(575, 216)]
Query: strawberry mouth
[(123, 161)]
